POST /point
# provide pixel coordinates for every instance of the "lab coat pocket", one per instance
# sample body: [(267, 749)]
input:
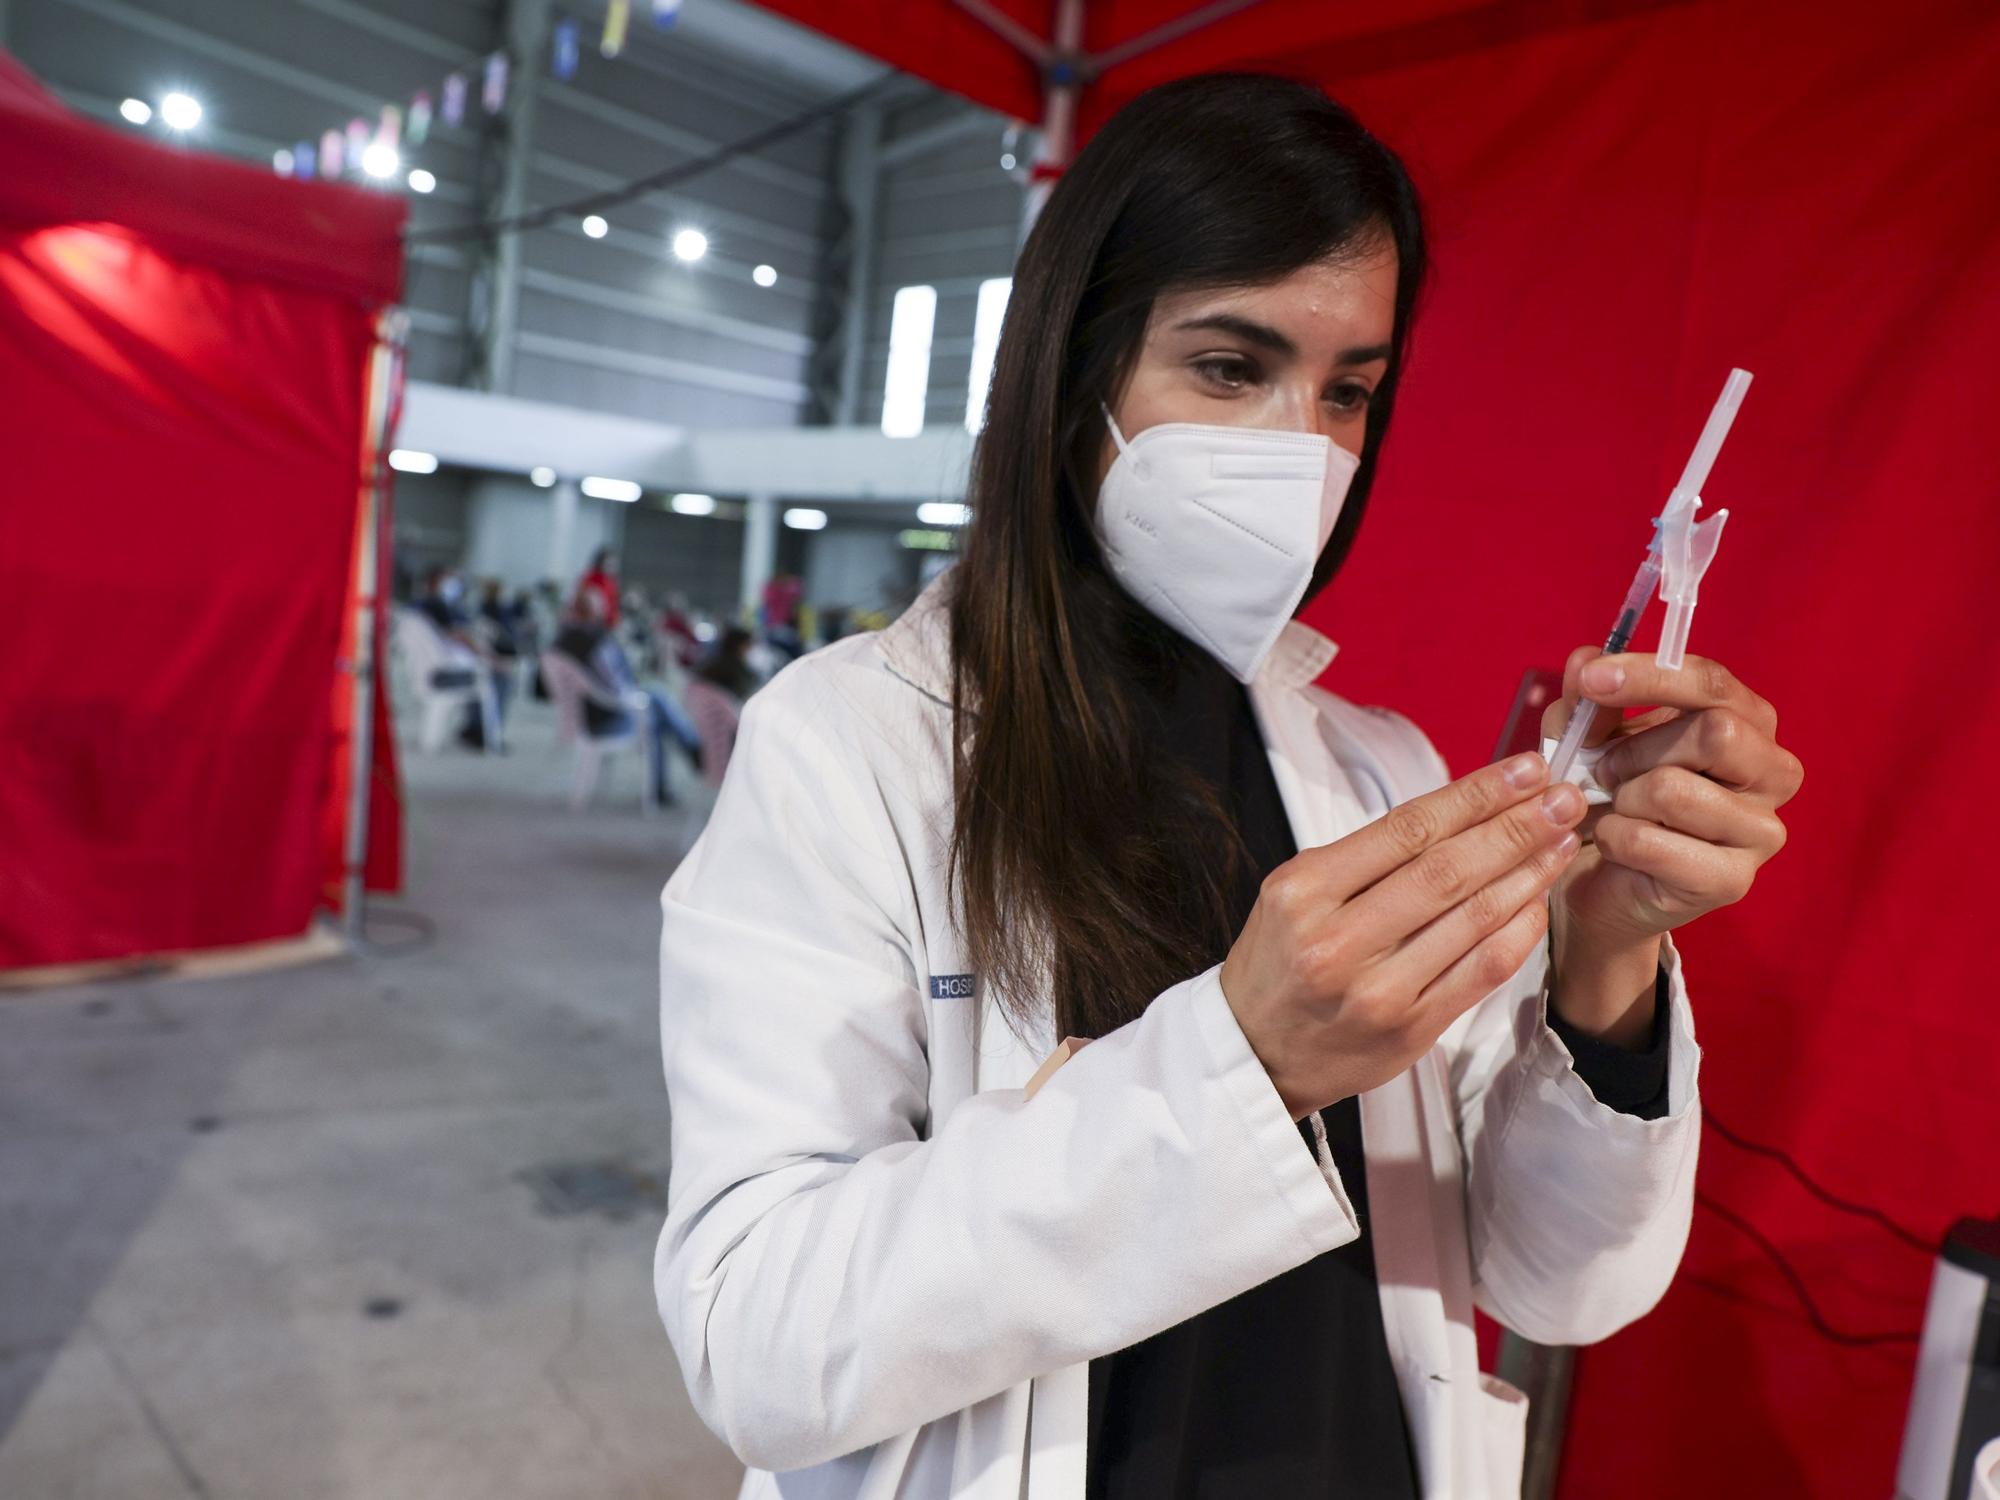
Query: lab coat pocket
[(1504, 1410)]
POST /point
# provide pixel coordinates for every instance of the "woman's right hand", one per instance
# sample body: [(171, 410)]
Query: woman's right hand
[(1359, 953)]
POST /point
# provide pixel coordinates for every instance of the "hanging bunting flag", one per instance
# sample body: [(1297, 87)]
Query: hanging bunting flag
[(302, 161), (331, 149), (666, 12), (493, 87), (616, 18), (453, 112), (563, 62), (389, 130), (358, 136), (418, 125)]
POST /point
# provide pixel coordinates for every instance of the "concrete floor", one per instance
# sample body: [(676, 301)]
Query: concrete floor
[(268, 1238)]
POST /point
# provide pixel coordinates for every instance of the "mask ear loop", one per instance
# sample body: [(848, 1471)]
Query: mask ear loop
[(1124, 447), (1116, 436)]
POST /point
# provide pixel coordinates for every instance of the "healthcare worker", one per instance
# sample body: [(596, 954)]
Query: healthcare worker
[(1368, 1047)]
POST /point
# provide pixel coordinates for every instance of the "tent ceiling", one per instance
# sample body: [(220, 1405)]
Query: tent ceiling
[(945, 42), (57, 168)]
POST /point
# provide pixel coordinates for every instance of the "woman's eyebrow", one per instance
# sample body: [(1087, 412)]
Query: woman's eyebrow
[(1267, 337)]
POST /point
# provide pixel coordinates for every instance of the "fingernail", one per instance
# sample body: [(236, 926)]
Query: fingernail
[(1568, 844), (1523, 771), (1603, 677), (1561, 804)]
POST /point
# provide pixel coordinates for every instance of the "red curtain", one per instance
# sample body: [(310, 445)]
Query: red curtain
[(182, 349), (1628, 197), (1622, 212)]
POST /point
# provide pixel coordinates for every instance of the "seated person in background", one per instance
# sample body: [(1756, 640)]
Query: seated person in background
[(715, 699), (677, 625), (587, 640), (780, 615), (498, 621), (602, 581), (442, 601)]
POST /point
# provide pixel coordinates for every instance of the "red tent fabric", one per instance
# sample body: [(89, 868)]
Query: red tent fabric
[(1626, 200), (182, 344)]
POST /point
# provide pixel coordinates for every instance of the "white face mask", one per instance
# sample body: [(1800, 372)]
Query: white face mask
[(1216, 529)]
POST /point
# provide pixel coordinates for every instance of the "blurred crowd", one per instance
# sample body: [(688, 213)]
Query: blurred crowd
[(616, 665)]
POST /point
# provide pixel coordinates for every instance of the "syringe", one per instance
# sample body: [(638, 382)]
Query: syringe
[(1644, 583), (1681, 503)]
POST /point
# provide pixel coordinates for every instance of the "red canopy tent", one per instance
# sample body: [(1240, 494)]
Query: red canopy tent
[(1627, 197), (185, 346)]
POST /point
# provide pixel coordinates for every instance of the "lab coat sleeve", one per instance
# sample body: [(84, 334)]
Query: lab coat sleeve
[(832, 1272), (1577, 1213)]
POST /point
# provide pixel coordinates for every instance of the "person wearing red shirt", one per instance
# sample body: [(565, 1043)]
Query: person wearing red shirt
[(602, 580)]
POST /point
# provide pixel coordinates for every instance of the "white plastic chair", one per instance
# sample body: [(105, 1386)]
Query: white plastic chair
[(572, 687), (425, 652)]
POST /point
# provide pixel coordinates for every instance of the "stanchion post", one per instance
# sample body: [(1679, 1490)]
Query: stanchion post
[(382, 359)]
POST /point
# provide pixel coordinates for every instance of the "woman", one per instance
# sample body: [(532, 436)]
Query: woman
[(1373, 1047), (601, 579), (715, 697)]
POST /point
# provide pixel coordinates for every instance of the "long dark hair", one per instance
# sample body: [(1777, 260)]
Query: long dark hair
[(1075, 857)]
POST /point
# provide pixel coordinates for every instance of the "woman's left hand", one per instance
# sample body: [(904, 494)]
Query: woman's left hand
[(1696, 786)]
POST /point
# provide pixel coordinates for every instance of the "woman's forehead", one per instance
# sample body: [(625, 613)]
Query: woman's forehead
[(1328, 304)]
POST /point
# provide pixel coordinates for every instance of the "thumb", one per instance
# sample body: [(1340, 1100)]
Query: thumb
[(1555, 718)]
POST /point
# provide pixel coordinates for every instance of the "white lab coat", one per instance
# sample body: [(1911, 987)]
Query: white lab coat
[(885, 1274)]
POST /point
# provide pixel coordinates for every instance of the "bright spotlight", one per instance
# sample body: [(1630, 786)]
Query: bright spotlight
[(380, 160), (765, 276), (690, 244), (541, 476), (422, 181), (412, 461), (626, 490), (180, 111), (803, 519), (943, 513), (693, 505), (595, 227), (138, 111)]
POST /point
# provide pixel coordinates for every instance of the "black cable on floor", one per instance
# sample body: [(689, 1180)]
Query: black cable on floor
[(1797, 1282), (1825, 1195), (422, 929)]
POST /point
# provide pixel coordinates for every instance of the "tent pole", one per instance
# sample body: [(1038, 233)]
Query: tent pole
[(361, 722), (1167, 31), (1062, 86), (1011, 31)]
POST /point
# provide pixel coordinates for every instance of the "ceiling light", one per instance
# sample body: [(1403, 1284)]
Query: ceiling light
[(180, 111), (944, 513), (422, 181), (281, 162), (138, 111), (626, 490), (765, 276), (1006, 161), (595, 227), (693, 505), (803, 519), (541, 476), (412, 461), (690, 244), (380, 160)]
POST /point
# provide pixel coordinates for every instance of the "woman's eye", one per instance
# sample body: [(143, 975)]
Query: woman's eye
[(1226, 373), (1350, 398)]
